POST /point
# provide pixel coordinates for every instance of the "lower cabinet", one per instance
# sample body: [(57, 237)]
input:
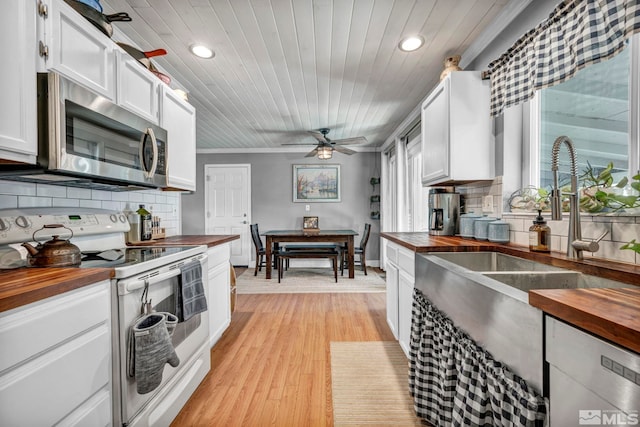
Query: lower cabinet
[(55, 360), (219, 291), (400, 272)]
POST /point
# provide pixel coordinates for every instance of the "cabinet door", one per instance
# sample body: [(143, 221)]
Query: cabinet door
[(219, 290), (435, 134), (392, 297), (137, 87), (79, 50), (18, 127), (178, 117), (405, 306)]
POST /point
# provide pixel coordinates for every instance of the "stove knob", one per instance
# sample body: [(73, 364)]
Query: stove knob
[(4, 225), (123, 218), (113, 218), (22, 222)]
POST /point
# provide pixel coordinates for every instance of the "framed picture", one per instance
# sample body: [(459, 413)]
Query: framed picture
[(316, 183), (310, 223)]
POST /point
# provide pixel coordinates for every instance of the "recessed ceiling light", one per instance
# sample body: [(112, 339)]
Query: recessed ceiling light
[(411, 43), (201, 51)]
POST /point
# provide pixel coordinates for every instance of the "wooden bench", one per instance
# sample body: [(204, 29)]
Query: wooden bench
[(286, 255), (306, 247)]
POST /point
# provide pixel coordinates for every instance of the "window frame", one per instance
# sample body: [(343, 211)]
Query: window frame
[(531, 110)]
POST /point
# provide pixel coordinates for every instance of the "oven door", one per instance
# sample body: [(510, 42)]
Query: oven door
[(189, 337)]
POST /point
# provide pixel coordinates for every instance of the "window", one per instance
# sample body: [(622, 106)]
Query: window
[(597, 109)]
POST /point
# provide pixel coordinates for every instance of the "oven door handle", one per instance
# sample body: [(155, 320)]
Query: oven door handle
[(132, 285)]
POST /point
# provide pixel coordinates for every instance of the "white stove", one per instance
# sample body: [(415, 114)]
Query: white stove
[(98, 233), (146, 279)]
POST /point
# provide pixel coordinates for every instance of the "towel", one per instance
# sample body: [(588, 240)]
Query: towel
[(190, 298)]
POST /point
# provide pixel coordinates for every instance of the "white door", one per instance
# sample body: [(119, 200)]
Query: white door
[(227, 204)]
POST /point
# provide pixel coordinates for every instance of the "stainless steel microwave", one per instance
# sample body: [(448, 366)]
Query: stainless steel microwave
[(87, 140)]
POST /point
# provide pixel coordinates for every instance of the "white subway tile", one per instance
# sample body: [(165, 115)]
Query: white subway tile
[(91, 204), (8, 202), (624, 232), (17, 188), (34, 202), (47, 190), (120, 196), (57, 202), (101, 195), (110, 205), (78, 193)]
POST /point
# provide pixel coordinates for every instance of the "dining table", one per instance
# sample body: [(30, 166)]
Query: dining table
[(275, 237)]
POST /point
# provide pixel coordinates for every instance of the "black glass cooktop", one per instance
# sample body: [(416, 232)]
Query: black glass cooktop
[(123, 257)]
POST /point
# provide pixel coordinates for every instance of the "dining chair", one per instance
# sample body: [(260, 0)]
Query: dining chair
[(260, 250), (359, 251)]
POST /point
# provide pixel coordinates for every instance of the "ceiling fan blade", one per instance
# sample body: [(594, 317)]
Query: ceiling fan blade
[(312, 153), (347, 141), (317, 135), (343, 150)]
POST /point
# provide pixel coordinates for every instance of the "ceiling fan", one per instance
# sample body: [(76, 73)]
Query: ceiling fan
[(324, 149)]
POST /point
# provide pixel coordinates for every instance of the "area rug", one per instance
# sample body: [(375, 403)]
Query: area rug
[(308, 280), (369, 385)]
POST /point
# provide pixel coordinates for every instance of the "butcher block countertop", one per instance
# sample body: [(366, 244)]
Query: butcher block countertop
[(191, 239), (25, 285), (613, 314)]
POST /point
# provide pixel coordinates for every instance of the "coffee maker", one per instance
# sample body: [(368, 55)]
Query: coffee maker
[(444, 211)]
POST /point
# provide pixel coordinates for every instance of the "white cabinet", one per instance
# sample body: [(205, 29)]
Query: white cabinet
[(76, 49), (18, 128), (219, 291), (392, 297), (137, 87), (400, 272), (178, 118), (457, 144), (55, 360)]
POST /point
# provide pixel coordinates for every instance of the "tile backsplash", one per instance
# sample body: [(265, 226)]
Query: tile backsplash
[(620, 229), (166, 205)]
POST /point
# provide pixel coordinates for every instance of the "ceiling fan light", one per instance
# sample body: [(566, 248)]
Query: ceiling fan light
[(201, 51), (325, 153), (411, 43)]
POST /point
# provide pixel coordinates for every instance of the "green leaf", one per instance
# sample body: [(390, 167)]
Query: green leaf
[(635, 186), (628, 201), (622, 182), (636, 177), (601, 196), (632, 245)]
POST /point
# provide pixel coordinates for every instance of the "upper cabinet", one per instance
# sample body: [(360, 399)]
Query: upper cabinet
[(18, 129), (178, 118), (72, 46), (137, 88), (457, 144)]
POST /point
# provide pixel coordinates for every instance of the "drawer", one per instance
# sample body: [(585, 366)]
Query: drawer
[(29, 330), (219, 254), (52, 385), (406, 261), (392, 253)]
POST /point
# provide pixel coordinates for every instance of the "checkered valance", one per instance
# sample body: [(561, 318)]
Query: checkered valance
[(576, 34)]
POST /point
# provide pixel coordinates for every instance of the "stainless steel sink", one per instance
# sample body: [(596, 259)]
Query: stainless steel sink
[(528, 280), (493, 261), (486, 295)]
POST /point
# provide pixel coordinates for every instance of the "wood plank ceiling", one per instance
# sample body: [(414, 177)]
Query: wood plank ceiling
[(283, 67)]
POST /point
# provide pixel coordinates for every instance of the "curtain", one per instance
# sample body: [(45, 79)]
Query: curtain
[(454, 382), (576, 34)]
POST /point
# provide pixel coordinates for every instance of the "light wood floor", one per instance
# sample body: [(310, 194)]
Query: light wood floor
[(272, 365)]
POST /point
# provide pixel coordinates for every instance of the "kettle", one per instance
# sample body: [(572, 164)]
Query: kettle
[(53, 253)]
